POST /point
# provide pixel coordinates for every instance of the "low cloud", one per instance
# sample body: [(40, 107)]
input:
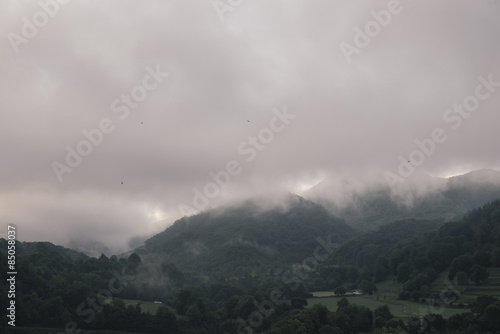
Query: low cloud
[(225, 78)]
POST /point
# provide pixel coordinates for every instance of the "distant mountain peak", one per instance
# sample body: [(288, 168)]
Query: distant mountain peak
[(476, 177), (259, 232), (371, 203)]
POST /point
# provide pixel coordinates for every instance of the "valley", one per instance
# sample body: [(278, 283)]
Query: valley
[(265, 268)]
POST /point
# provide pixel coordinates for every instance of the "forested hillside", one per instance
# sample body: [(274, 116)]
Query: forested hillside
[(59, 288), (242, 239), (368, 206)]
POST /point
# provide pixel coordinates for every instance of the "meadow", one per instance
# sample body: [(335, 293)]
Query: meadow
[(388, 292), (146, 307)]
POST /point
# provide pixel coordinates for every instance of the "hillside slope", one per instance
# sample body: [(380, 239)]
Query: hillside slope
[(246, 237), (371, 205)]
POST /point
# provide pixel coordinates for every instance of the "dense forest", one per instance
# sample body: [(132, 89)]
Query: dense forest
[(246, 239), (271, 279)]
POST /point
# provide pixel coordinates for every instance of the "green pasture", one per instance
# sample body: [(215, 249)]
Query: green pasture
[(399, 308), (146, 307), (387, 293), (470, 292)]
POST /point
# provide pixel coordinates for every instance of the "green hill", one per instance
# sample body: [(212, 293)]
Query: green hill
[(246, 238), (214, 268), (363, 250), (424, 198)]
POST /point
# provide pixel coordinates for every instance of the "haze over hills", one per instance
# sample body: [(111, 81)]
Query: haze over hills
[(210, 279), (159, 139), (267, 232), (473, 189), (220, 240), (361, 205), (213, 268), (369, 205)]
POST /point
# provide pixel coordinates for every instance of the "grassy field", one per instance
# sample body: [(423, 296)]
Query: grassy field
[(399, 308), (146, 307), (321, 294), (490, 287), (389, 288), (387, 293), (472, 291)]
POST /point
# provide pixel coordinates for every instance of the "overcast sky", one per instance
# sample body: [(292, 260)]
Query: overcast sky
[(281, 94)]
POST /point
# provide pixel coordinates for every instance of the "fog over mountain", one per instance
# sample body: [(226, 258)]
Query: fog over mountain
[(369, 205), (267, 236), (117, 118)]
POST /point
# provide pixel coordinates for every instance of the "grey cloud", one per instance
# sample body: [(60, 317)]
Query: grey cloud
[(352, 119)]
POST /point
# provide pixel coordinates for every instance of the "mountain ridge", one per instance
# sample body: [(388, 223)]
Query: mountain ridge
[(372, 204), (222, 239)]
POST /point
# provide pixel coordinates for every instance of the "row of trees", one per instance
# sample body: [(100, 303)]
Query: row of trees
[(484, 318)]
